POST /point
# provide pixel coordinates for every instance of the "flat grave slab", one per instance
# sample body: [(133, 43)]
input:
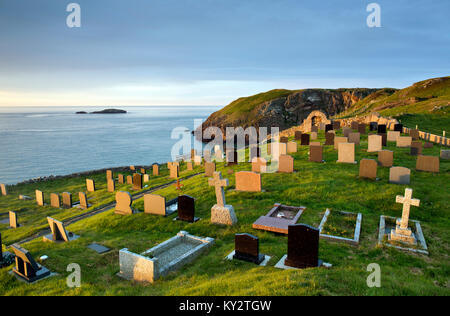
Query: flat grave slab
[(279, 218), (357, 233), (158, 261), (98, 248)]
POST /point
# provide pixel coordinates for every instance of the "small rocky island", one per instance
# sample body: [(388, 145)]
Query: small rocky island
[(106, 111)]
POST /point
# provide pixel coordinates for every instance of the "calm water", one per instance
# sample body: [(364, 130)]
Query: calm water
[(36, 142)]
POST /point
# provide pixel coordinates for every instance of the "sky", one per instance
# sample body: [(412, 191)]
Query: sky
[(210, 52)]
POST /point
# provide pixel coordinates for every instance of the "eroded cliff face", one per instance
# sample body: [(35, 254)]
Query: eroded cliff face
[(290, 111)]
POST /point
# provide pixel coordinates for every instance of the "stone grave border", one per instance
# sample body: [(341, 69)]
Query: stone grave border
[(262, 264), (354, 241), (419, 234)]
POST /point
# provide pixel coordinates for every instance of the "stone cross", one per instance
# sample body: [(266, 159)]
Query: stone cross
[(407, 201), (219, 184)]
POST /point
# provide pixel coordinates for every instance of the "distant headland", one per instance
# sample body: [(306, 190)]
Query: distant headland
[(106, 111)]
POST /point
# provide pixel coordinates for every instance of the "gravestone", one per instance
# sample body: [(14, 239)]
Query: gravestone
[(427, 163), (123, 203), (375, 143), (314, 144), (174, 171), (322, 126), (67, 200), (316, 153), (54, 200), (147, 177), (414, 133), (59, 233), (398, 128), (248, 181), (354, 138), (198, 159), (231, 157), (286, 164), (305, 140), (282, 148), (157, 205), (416, 148), (404, 141), (368, 169), (381, 129), (143, 171), (40, 198), (313, 136), (346, 153), (26, 267), (210, 168), (132, 168), (246, 248), (303, 247), (338, 140), (346, 131), (291, 147), (386, 158), (259, 165), (373, 126), (186, 209), (137, 181), (3, 188), (190, 166), (428, 145), (336, 125), (399, 175), (12, 220), (329, 139), (83, 200), (328, 127), (155, 169), (314, 129), (220, 212), (362, 128), (298, 135), (193, 153), (90, 185), (284, 139), (445, 154), (111, 185), (383, 138), (392, 136), (354, 125), (121, 179), (402, 232), (109, 175)]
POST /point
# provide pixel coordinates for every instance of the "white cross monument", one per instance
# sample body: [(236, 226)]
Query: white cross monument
[(402, 232), (220, 212)]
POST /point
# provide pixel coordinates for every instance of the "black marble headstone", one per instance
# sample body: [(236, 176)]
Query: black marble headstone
[(381, 129), (328, 127), (303, 247), (186, 208), (305, 140), (398, 128), (373, 126), (383, 139), (26, 267), (247, 248)]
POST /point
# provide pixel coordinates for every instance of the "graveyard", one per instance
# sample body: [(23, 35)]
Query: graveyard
[(354, 197)]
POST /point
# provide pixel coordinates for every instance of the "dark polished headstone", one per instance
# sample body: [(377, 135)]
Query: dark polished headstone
[(373, 126), (26, 267), (329, 139), (305, 140), (381, 128), (383, 139), (398, 128), (247, 248), (328, 127), (303, 247), (137, 181), (298, 135), (362, 128), (284, 139), (186, 209)]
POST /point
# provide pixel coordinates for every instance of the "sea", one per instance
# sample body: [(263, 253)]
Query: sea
[(43, 141)]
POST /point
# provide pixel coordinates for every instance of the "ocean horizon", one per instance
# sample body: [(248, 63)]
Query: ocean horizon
[(43, 141)]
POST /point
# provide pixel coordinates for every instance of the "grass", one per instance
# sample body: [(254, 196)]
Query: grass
[(315, 185)]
